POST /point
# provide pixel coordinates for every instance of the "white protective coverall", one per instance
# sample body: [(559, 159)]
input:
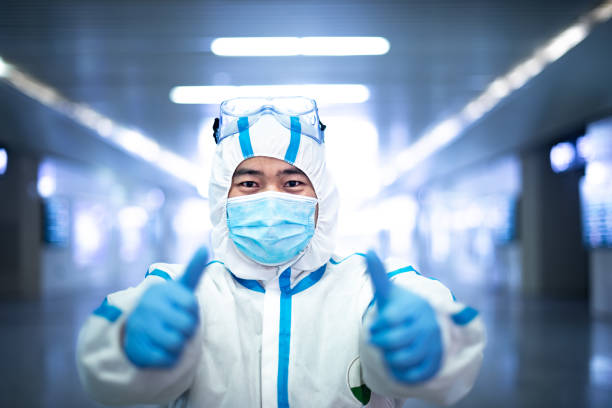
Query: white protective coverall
[(293, 335)]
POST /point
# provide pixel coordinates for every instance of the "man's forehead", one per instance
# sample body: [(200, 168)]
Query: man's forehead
[(267, 166)]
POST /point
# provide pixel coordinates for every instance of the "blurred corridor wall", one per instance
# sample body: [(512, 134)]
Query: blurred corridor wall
[(555, 260), (20, 233)]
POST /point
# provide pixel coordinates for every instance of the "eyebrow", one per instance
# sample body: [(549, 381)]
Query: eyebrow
[(252, 172), (291, 171), (247, 171)]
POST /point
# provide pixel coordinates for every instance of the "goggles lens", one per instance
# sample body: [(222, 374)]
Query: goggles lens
[(282, 108)]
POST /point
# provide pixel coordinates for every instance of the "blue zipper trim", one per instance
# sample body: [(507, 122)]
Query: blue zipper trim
[(284, 340), (166, 276), (402, 270), (334, 262), (245, 138), (108, 311), (284, 331), (160, 273), (464, 316), (308, 281), (411, 269), (294, 143), (304, 284), (249, 284)]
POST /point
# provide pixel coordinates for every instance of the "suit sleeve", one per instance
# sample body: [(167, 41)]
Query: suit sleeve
[(104, 370), (463, 339)]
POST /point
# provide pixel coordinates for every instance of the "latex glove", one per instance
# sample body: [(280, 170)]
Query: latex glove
[(405, 329), (165, 318)]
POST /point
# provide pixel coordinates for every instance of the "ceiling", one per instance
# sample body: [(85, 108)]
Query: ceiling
[(123, 57)]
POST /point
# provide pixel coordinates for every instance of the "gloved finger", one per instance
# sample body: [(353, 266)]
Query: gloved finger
[(426, 369), (179, 320), (166, 338), (380, 281), (193, 272), (179, 297), (142, 353), (159, 358), (395, 338), (404, 310), (411, 356)]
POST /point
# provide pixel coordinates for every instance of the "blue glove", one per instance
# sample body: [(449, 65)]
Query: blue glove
[(165, 319), (405, 328)]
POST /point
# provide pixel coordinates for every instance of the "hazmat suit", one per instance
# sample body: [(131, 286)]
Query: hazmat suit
[(292, 334)]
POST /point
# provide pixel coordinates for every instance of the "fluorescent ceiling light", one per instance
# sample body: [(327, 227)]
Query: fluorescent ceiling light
[(324, 94), (293, 46), (4, 68), (503, 86), (565, 41), (128, 140), (604, 12)]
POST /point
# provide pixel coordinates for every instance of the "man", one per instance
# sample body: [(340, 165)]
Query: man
[(275, 320)]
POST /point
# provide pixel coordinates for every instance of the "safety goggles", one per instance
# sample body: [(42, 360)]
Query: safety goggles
[(239, 114)]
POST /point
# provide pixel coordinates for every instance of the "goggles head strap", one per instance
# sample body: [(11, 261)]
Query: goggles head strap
[(216, 130)]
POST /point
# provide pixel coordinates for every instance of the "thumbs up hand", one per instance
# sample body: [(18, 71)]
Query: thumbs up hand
[(165, 318), (405, 329)]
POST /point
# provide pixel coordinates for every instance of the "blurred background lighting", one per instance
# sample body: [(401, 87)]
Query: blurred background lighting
[(46, 183), (154, 199), (130, 141), (325, 94), (499, 89), (603, 12), (562, 155), (596, 144), (600, 369), (132, 217), (138, 144), (191, 225), (179, 167), (192, 217), (437, 137), (88, 236), (565, 41), (586, 148), (598, 173), (352, 157), (4, 68), (205, 153), (46, 186), (104, 127), (3, 160), (292, 46)]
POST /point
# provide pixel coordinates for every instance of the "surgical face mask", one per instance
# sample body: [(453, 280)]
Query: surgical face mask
[(271, 227)]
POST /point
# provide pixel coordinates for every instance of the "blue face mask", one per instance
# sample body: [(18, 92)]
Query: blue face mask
[(271, 228)]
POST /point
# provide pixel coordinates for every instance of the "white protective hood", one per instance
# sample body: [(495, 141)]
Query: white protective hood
[(269, 138)]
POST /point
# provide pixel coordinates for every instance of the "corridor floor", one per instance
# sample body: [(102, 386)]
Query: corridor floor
[(540, 353)]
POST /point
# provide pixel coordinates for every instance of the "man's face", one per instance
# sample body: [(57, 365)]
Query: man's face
[(260, 174)]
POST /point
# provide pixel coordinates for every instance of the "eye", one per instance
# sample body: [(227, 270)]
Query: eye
[(248, 184), (294, 183)]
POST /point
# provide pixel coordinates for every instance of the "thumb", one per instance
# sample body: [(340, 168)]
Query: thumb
[(380, 281), (195, 268)]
